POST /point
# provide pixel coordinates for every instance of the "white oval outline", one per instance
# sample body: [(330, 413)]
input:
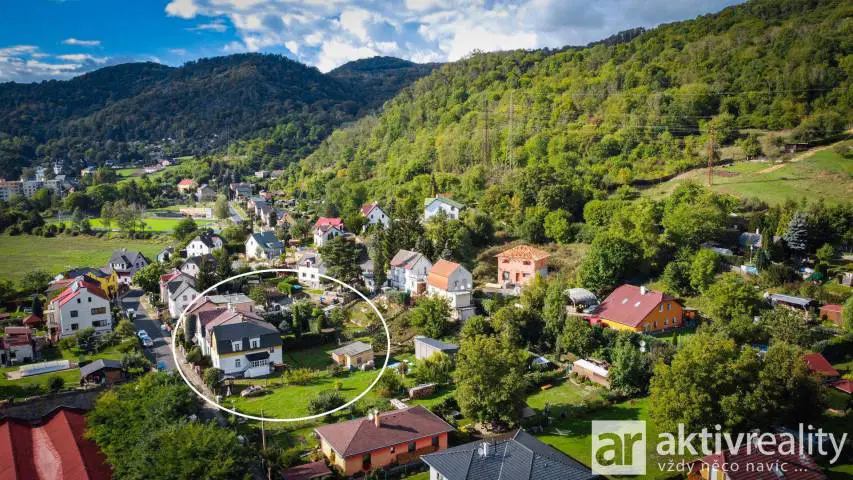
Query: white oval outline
[(274, 419)]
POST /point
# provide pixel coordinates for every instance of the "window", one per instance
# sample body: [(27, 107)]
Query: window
[(89, 299), (185, 297), (78, 300), (526, 262), (74, 313), (665, 322), (75, 326), (660, 307), (237, 363), (668, 306), (258, 363), (99, 323), (99, 311), (237, 345), (393, 449), (255, 343), (412, 447), (365, 462), (435, 441)]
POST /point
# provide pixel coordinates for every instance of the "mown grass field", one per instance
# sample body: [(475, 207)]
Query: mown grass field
[(161, 225), (824, 174), (25, 253)]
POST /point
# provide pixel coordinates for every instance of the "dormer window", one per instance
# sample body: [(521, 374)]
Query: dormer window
[(255, 343), (237, 345)]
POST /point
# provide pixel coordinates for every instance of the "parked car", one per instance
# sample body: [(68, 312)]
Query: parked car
[(252, 391), (142, 334), (164, 328), (130, 313), (147, 342)]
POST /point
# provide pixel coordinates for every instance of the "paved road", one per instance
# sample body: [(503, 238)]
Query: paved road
[(235, 215), (161, 352)]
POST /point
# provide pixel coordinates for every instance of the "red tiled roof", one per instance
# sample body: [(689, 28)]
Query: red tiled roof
[(819, 364), (844, 385), (743, 464), (53, 449), (524, 252), (396, 427), (626, 305), (366, 208), (439, 276), (72, 292), (32, 320), (307, 471), (186, 181), (332, 221)]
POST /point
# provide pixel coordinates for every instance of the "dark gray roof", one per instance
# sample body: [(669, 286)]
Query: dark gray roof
[(206, 239), (126, 257), (225, 334), (97, 365), (522, 457), (444, 347), (353, 348), (176, 286), (267, 240), (197, 260)]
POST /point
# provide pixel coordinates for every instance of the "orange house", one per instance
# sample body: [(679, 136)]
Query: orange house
[(636, 308), (381, 440), (519, 265)]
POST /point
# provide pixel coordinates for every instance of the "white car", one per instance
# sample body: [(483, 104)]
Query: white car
[(142, 334), (147, 342), (130, 313)]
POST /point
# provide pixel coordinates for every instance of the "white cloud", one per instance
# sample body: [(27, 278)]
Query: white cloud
[(217, 25), (81, 43), (180, 52), (26, 63), (327, 33)]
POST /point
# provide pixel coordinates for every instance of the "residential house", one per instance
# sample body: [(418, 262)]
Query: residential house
[(51, 447), (749, 241), (437, 205), (398, 437), (639, 309), (519, 265), (820, 366), (33, 321), (205, 317), (205, 193), (82, 305), (192, 265), (125, 264), (180, 292), (249, 348), (187, 186), (832, 312), (263, 246), (354, 355), (521, 457), (426, 347), (108, 281), (368, 273), (17, 345), (101, 371), (593, 370), (790, 463), (309, 267), (409, 271), (166, 254), (374, 214), (240, 190), (204, 244), (453, 282), (326, 229)]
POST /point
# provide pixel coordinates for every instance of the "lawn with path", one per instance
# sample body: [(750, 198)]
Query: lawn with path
[(823, 174), (26, 253)]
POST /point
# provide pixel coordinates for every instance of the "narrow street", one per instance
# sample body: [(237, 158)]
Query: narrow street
[(161, 353)]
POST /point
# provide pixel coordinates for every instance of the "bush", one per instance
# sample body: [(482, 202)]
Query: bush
[(213, 376), (55, 383), (300, 376), (194, 356), (325, 401), (390, 385)]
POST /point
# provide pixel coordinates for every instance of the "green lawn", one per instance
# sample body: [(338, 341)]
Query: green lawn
[(565, 393), (154, 224), (128, 172), (825, 174), (25, 253), (29, 386)]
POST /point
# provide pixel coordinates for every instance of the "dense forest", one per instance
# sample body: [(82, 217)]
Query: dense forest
[(525, 130), (117, 112)]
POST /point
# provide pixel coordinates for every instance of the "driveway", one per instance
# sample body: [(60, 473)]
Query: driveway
[(161, 352)]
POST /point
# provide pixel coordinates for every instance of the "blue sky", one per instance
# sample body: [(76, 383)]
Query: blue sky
[(44, 39)]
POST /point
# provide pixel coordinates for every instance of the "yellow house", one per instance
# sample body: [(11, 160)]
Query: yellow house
[(107, 281)]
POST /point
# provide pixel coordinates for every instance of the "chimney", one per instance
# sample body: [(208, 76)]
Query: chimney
[(376, 419), (643, 290), (485, 451), (230, 307)]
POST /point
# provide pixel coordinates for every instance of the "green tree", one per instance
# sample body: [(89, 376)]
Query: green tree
[(185, 230), (847, 315), (223, 270), (558, 226), (34, 281), (389, 385), (786, 325), (437, 368), (797, 234), (609, 261), (490, 380), (676, 276), (431, 316), (576, 338), (55, 383), (341, 257), (325, 401), (703, 268), (213, 376), (731, 297), (220, 207), (630, 369), (148, 277)]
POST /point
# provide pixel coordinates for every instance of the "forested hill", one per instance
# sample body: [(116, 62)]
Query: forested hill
[(201, 105), (524, 129)]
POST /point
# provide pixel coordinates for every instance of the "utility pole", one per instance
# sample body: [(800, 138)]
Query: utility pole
[(711, 157)]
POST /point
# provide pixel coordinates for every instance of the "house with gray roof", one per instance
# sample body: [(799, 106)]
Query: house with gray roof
[(248, 348), (442, 205), (126, 263), (426, 347), (263, 246), (409, 270), (354, 355), (522, 457)]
